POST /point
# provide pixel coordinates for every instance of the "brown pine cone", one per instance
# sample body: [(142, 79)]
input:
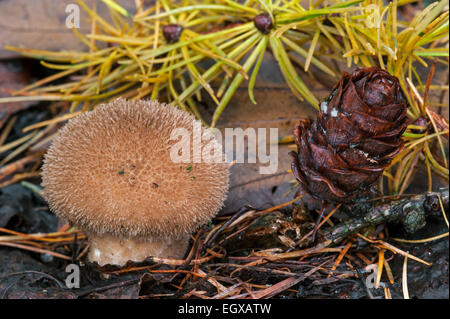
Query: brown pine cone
[(354, 138), (172, 32)]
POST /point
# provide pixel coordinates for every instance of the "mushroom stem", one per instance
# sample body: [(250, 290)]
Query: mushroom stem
[(109, 249)]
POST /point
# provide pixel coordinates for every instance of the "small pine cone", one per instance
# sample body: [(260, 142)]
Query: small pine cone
[(263, 22), (172, 32), (354, 138)]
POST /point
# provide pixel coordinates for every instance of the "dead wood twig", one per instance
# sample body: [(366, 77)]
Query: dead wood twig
[(396, 210), (17, 165)]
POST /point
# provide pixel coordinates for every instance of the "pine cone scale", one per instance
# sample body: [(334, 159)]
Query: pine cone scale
[(370, 124), (393, 133), (325, 158), (394, 112), (375, 147), (360, 161), (351, 101), (346, 179), (321, 186), (339, 131)]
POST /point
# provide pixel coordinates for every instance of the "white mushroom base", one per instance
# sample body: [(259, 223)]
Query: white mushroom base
[(117, 251)]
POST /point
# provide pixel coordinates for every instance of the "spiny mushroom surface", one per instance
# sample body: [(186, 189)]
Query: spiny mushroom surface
[(109, 172)]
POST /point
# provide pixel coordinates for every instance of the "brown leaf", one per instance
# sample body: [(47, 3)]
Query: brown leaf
[(13, 76)]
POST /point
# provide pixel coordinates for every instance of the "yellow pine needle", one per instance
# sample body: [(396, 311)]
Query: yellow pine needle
[(318, 249), (261, 46), (42, 143), (197, 75), (34, 249), (120, 39), (380, 267), (30, 142), (351, 36), (290, 74), (223, 86), (340, 257), (443, 210), (72, 66), (405, 179), (19, 177), (251, 84), (82, 81), (49, 97), (216, 57), (319, 64), (146, 79), (442, 174), (425, 139), (143, 92), (60, 56), (286, 139), (113, 5), (265, 7), (172, 18), (135, 58), (83, 39), (92, 47), (430, 178), (171, 88), (47, 80), (176, 11), (331, 38), (45, 237), (416, 93), (394, 249), (405, 279), (347, 46), (100, 20), (433, 122), (55, 120), (416, 127), (387, 293), (394, 24), (246, 8), (104, 70), (403, 166), (280, 31), (388, 175), (366, 260), (421, 241), (17, 142), (311, 49), (414, 111), (389, 272), (7, 129), (433, 160)]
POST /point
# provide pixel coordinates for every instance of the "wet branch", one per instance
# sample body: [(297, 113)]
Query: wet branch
[(411, 212)]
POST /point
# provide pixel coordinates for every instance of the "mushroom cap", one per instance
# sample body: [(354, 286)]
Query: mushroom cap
[(109, 171)]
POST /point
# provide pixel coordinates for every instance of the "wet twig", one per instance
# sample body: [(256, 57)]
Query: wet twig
[(410, 211), (239, 213)]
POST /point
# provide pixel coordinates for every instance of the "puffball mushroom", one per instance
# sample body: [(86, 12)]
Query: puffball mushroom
[(109, 172)]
